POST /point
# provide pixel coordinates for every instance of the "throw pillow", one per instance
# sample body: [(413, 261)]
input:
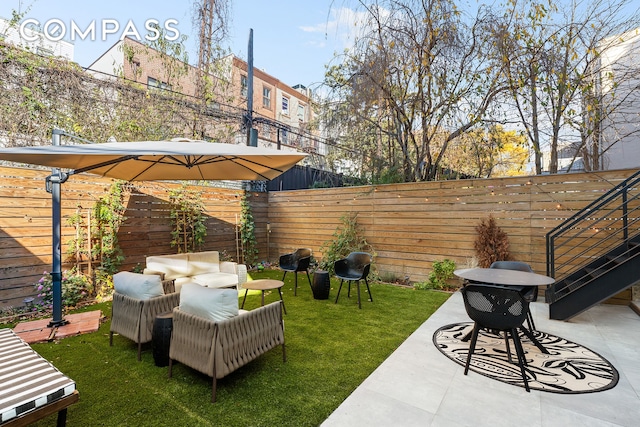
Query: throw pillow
[(136, 285), (210, 303)]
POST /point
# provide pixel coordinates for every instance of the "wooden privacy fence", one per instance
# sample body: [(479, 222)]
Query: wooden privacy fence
[(25, 223), (409, 225)]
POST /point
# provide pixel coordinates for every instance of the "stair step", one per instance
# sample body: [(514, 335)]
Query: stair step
[(633, 243), (634, 246), (565, 289), (575, 285), (595, 272), (619, 259)]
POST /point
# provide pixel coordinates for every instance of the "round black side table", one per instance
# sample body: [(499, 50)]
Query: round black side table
[(161, 337), (321, 284)]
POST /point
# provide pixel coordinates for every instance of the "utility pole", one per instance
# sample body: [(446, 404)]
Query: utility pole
[(252, 136)]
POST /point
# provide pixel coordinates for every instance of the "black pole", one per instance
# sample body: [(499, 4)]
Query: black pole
[(250, 89), (53, 186)]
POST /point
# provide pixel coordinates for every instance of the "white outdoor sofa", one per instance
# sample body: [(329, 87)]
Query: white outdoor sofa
[(203, 268)]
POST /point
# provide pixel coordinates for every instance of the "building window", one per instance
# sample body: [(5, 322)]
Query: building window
[(266, 97), (285, 105), (301, 112), (244, 84), (157, 84), (284, 136), (266, 130)]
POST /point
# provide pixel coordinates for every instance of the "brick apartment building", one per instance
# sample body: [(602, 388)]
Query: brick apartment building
[(281, 114)]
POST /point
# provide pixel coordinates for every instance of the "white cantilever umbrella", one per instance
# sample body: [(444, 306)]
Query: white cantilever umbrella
[(144, 161), (160, 160)]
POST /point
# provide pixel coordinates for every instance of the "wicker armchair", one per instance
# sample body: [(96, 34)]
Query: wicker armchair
[(217, 348), (133, 318)]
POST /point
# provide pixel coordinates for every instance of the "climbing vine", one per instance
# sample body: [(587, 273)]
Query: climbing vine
[(247, 232), (106, 219), (188, 219)]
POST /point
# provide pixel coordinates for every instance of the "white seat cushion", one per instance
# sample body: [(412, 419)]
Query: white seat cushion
[(136, 285), (27, 380), (216, 280), (209, 303)]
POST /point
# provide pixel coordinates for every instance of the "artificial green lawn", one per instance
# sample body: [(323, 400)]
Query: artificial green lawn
[(331, 348)]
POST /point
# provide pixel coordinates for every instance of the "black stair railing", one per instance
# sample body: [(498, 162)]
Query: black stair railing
[(595, 230)]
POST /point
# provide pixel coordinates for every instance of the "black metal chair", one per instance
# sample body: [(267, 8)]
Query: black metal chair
[(296, 262), (496, 308), (354, 267), (530, 293)]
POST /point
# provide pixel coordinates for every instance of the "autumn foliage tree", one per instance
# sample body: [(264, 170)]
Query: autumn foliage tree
[(486, 153)]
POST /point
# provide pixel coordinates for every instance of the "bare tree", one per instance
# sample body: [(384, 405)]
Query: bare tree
[(419, 76), (552, 55)]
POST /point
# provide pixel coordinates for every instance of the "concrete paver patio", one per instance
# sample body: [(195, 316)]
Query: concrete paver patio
[(419, 386)]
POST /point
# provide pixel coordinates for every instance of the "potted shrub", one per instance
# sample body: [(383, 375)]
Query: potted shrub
[(491, 244)]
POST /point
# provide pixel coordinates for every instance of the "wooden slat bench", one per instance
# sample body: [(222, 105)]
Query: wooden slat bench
[(30, 387)]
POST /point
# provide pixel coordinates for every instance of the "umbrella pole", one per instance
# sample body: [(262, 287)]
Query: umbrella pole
[(53, 186)]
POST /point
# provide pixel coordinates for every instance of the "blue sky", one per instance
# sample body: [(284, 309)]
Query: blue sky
[(293, 39)]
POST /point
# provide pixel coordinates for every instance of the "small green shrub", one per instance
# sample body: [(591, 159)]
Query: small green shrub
[(388, 277), (346, 239), (440, 275), (103, 280)]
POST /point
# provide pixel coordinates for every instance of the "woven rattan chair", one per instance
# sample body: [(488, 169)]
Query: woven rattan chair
[(295, 262), (133, 318), (217, 348), (354, 267), (498, 309)]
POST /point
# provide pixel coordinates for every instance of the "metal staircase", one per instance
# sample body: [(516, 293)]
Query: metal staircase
[(595, 254)]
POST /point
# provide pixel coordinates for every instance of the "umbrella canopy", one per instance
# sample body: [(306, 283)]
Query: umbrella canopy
[(160, 160), (143, 161)]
